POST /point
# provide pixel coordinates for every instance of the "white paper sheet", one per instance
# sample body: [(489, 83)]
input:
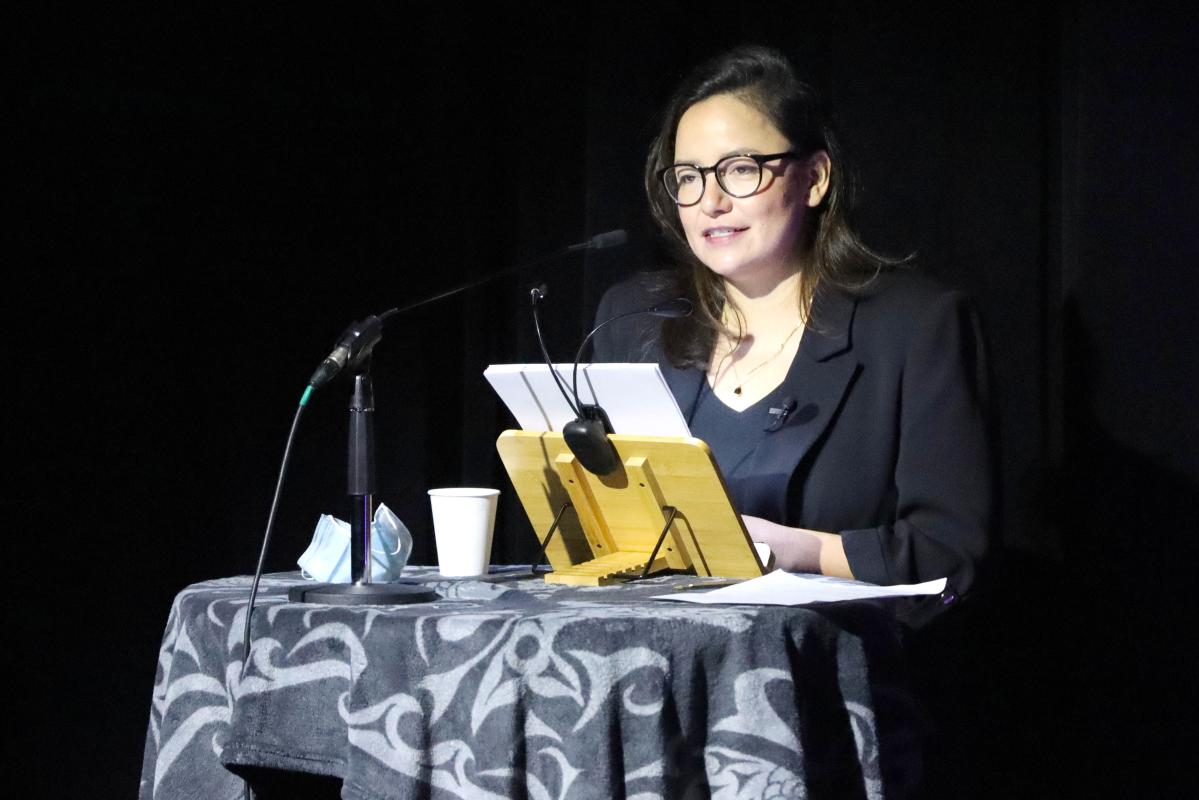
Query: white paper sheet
[(635, 396), (781, 588)]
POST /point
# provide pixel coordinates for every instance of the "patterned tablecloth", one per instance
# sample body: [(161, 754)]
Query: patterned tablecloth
[(513, 687)]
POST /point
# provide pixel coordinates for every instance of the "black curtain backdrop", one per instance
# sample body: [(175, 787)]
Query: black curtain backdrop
[(208, 197)]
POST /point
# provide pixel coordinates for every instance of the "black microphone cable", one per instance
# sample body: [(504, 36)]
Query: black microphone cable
[(266, 541), (270, 525)]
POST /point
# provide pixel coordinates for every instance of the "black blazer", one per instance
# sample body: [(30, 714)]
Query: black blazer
[(888, 442)]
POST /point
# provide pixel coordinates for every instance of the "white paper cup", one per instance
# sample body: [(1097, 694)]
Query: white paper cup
[(463, 522)]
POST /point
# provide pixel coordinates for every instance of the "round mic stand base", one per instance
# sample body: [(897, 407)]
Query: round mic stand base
[(362, 594)]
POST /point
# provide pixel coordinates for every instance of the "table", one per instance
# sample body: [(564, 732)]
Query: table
[(511, 687)]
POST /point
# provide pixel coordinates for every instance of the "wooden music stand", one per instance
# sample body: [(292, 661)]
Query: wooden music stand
[(666, 508)]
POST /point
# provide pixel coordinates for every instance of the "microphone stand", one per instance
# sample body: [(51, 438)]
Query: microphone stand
[(360, 485), (353, 351)]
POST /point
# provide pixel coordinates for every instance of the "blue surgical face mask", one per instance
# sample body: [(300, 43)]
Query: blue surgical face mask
[(327, 558)]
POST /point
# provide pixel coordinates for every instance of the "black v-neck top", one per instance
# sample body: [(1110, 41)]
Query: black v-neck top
[(734, 435)]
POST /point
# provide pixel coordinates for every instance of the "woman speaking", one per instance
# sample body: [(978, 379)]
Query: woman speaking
[(843, 397)]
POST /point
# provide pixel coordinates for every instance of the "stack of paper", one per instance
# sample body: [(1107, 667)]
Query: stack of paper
[(781, 588)]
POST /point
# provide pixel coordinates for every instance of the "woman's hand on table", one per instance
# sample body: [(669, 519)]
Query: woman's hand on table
[(800, 549)]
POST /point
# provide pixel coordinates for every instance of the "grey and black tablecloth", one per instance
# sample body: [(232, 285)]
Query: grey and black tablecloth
[(513, 688)]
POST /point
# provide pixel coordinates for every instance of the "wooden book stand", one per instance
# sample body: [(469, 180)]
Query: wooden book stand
[(667, 508)]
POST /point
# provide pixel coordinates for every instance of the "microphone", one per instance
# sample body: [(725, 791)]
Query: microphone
[(355, 344), (601, 241), (778, 416), (536, 295), (587, 434), (670, 309)]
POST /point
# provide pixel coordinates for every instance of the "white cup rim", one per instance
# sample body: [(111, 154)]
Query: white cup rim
[(463, 491)]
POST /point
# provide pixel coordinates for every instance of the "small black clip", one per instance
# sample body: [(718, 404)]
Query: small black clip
[(779, 415)]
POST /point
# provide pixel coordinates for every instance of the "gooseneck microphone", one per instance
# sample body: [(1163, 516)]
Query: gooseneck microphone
[(357, 341), (537, 294), (587, 434), (601, 240), (670, 309)]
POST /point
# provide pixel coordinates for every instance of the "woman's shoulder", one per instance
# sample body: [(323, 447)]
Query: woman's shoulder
[(900, 309), (905, 292), (901, 299)]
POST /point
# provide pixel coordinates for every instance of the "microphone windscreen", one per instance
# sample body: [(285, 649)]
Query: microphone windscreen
[(608, 239), (678, 307)]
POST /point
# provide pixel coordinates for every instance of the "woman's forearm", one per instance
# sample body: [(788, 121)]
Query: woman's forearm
[(800, 549)]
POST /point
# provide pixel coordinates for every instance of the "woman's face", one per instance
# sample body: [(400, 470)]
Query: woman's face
[(752, 241)]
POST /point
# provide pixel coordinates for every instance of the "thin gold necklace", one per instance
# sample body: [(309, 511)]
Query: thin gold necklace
[(739, 381)]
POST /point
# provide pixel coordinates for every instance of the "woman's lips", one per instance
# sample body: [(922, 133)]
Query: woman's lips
[(722, 234)]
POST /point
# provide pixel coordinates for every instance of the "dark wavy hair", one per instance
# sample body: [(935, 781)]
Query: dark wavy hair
[(834, 255)]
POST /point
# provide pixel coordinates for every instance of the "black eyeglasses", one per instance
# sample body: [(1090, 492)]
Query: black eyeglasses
[(737, 176)]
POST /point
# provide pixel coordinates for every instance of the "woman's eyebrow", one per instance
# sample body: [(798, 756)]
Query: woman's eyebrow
[(740, 151)]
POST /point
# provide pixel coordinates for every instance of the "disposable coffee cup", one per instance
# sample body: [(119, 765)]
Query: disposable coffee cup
[(463, 522)]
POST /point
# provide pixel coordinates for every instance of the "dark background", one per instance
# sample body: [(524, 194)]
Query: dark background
[(208, 197)]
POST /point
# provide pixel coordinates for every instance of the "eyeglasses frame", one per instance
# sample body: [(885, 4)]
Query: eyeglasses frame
[(758, 158)]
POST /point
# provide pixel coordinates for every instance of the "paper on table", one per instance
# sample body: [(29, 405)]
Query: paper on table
[(635, 396), (781, 588)]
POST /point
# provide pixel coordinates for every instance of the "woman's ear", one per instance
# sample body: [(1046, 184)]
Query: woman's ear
[(820, 170)]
